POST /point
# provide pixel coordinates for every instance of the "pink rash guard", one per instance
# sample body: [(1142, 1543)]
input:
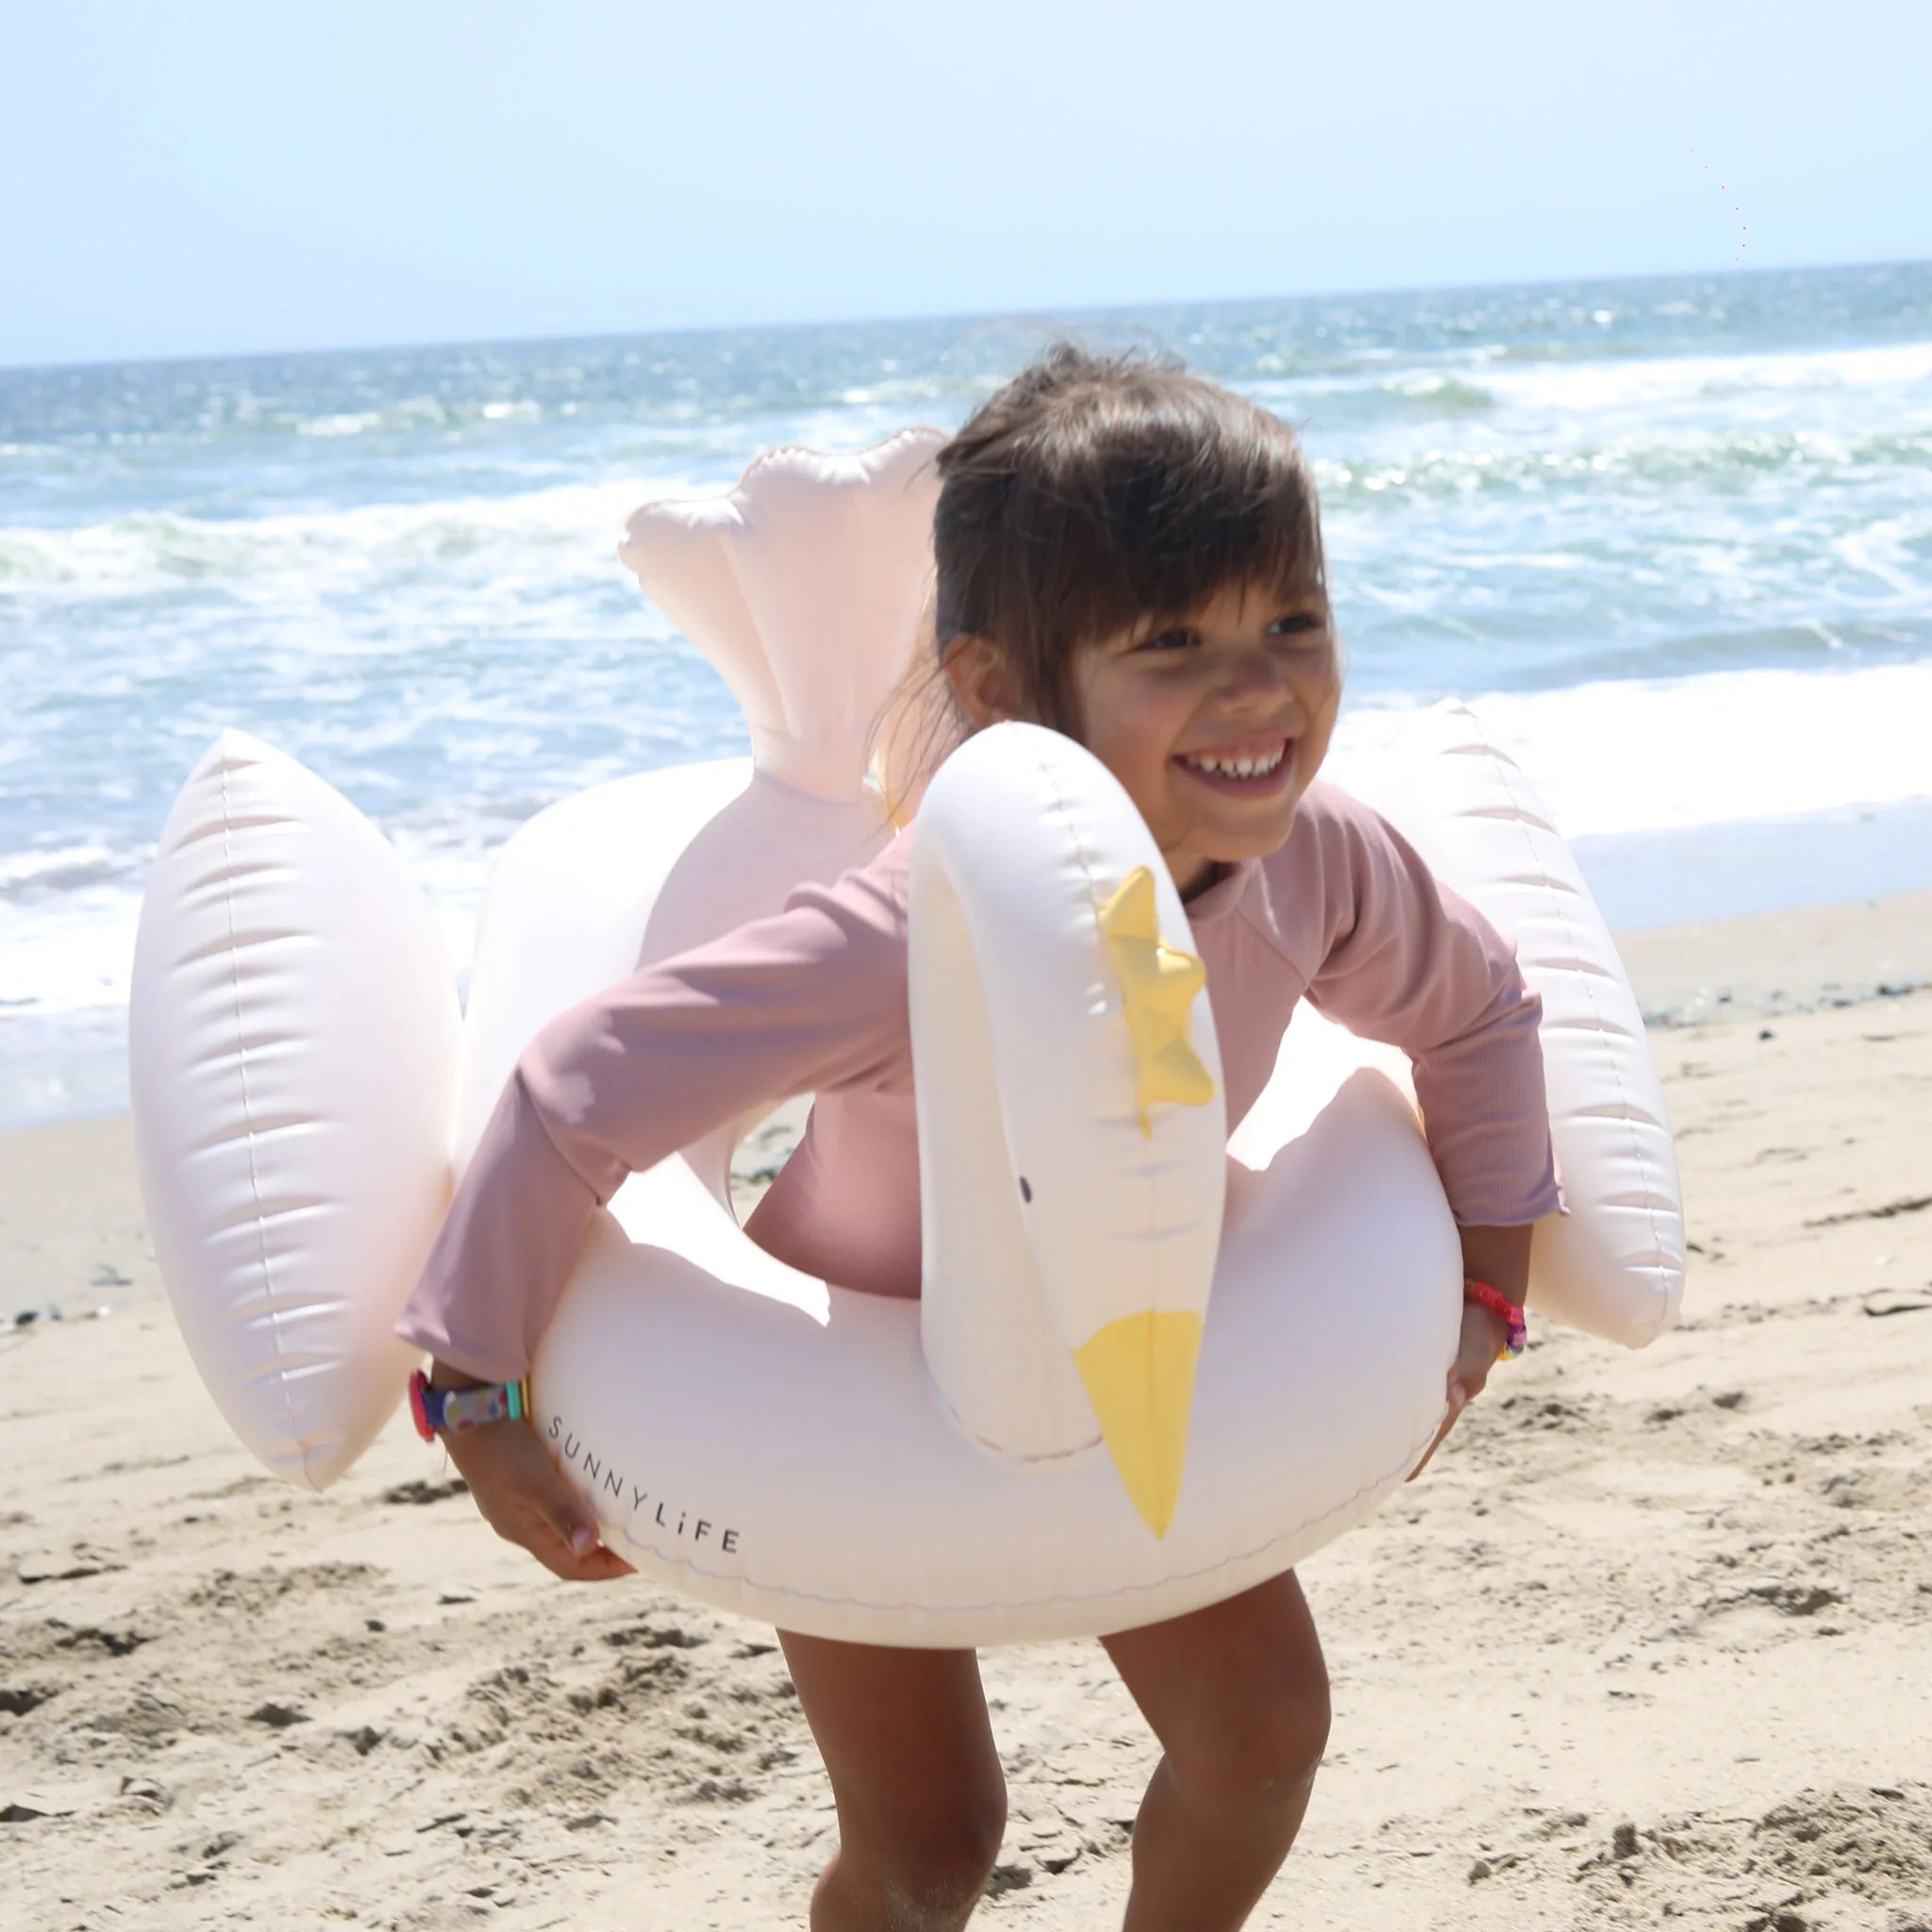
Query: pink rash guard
[(815, 1000)]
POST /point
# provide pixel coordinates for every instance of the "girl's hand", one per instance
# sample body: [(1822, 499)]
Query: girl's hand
[(1483, 1336), (525, 1500)]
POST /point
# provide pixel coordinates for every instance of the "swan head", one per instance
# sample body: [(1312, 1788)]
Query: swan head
[(1057, 997)]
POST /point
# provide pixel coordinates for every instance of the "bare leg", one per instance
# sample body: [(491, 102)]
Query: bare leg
[(1238, 1695), (921, 1801)]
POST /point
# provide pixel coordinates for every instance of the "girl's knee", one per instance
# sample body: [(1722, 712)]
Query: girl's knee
[(933, 1861), (1262, 1753)]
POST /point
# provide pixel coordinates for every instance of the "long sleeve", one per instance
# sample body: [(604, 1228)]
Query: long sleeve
[(1410, 962), (811, 999)]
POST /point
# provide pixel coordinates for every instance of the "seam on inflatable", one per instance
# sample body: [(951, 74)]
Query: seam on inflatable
[(274, 1315), (1081, 853), (195, 838), (999, 1450), (909, 433), (1117, 1595), (1504, 767)]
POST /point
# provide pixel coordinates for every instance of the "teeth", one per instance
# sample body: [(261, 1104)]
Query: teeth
[(1235, 768)]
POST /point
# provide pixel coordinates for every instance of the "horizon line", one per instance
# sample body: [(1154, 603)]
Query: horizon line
[(945, 315)]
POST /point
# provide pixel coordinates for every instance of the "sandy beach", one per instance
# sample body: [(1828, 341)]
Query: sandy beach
[(1650, 1643)]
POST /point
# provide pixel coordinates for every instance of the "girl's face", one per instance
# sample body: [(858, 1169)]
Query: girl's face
[(1216, 725)]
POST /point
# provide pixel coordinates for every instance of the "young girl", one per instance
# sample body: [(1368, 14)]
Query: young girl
[(1132, 556)]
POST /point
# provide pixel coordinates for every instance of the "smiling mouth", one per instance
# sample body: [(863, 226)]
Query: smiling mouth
[(1250, 770)]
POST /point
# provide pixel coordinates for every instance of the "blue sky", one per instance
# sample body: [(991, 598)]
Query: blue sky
[(210, 176)]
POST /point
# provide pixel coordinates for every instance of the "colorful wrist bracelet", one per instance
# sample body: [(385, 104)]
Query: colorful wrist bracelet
[(456, 1409), (1508, 1312)]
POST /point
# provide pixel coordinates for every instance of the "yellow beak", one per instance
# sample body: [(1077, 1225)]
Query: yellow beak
[(1139, 1373)]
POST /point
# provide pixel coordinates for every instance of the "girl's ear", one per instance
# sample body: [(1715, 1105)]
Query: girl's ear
[(984, 681)]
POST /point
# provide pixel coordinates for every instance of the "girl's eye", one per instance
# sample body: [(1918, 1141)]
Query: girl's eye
[(1179, 638), (1297, 623)]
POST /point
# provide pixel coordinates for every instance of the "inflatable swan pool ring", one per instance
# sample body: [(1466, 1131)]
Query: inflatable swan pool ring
[(1142, 1376)]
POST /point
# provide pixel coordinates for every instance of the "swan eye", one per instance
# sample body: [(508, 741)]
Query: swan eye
[(1025, 1188)]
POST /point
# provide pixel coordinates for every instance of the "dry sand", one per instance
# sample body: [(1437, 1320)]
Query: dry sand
[(1651, 1642)]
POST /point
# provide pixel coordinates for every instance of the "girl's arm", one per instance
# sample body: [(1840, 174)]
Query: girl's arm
[(1414, 963), (1411, 962), (811, 998), (1499, 1255)]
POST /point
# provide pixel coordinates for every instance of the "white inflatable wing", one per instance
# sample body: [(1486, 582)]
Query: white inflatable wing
[(293, 1032), (1613, 1262)]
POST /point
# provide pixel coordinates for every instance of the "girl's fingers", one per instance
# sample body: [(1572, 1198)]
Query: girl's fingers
[(1474, 1361), (586, 1562), (576, 1540), (577, 1533), (1469, 1376), (571, 1524), (596, 1565), (517, 1486), (606, 1566), (1456, 1408)]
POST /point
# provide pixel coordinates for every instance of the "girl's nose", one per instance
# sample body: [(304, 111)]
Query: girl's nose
[(1256, 680)]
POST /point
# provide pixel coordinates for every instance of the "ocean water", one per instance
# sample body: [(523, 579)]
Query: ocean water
[(1673, 536)]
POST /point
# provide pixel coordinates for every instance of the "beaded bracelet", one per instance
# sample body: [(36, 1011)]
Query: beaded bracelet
[(1508, 1312)]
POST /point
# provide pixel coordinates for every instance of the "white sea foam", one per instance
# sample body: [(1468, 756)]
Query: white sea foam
[(71, 958), (1589, 392), (157, 551), (58, 869), (1726, 747), (345, 422), (1587, 397)]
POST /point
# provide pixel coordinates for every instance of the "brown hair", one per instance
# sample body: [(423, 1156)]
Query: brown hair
[(1089, 494), (1093, 492)]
